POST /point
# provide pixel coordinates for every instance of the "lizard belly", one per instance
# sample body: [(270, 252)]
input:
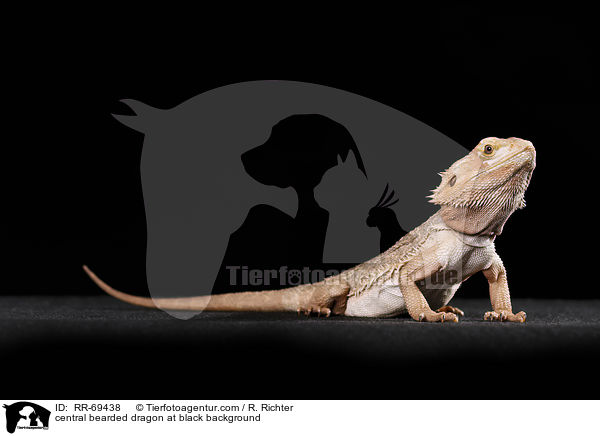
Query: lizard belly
[(382, 301)]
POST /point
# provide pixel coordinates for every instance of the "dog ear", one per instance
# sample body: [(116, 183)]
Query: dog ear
[(144, 115), (343, 153)]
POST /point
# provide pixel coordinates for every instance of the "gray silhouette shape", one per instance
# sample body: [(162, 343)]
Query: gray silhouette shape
[(196, 192)]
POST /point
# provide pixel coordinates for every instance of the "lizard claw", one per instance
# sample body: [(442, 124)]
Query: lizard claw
[(325, 311), (432, 316), (451, 309), (505, 315), (490, 316)]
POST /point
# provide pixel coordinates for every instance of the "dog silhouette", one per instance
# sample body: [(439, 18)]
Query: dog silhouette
[(297, 154)]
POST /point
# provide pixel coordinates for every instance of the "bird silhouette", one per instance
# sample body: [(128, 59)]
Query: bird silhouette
[(384, 218)]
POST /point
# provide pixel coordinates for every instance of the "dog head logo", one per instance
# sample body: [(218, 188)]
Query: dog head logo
[(26, 415)]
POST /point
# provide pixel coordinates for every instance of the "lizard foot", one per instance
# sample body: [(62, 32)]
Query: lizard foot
[(325, 301), (505, 315), (432, 316), (451, 309), (325, 311)]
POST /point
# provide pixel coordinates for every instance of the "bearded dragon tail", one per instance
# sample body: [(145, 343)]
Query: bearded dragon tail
[(264, 301)]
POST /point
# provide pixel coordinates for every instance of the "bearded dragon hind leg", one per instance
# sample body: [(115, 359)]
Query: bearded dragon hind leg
[(325, 300), (451, 309)]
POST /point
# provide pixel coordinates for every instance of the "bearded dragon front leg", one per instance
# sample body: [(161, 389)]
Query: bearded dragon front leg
[(414, 271), (499, 294)]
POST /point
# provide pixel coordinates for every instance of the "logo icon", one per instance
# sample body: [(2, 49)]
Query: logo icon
[(26, 415)]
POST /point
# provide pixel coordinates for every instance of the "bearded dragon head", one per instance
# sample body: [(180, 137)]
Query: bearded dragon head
[(479, 192)]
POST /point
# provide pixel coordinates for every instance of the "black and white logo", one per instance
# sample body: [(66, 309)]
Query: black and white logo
[(26, 415)]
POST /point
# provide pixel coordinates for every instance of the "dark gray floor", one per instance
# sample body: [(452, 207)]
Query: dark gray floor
[(98, 346)]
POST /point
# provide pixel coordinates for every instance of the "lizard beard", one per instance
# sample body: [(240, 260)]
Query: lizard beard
[(485, 213), (475, 220)]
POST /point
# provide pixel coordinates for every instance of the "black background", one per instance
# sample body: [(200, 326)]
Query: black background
[(71, 171), (72, 187)]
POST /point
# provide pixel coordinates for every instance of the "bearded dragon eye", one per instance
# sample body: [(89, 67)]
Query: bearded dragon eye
[(488, 149)]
